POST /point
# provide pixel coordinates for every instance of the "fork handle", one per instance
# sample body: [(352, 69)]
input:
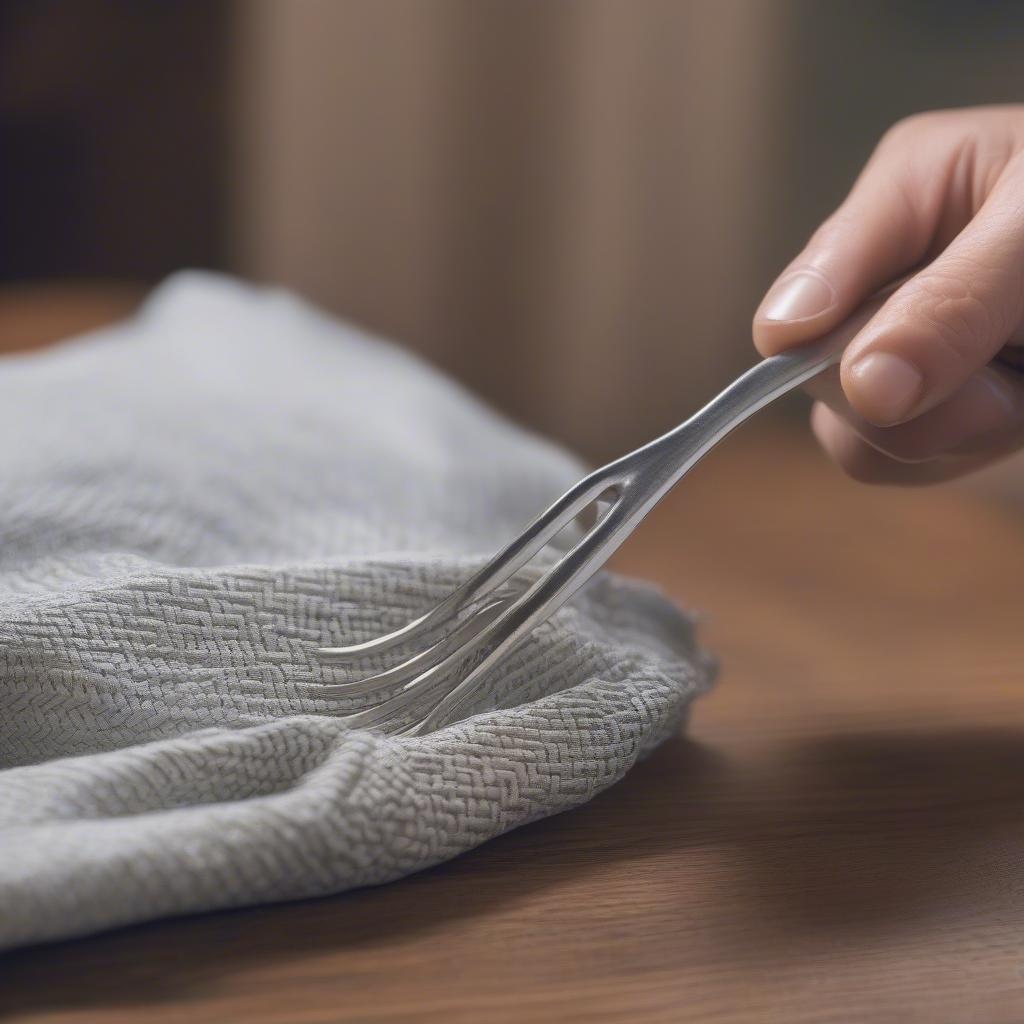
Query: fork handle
[(673, 454)]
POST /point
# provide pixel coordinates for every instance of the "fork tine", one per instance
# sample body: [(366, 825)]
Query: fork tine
[(404, 706), (544, 598), (492, 575), (416, 709), (407, 670)]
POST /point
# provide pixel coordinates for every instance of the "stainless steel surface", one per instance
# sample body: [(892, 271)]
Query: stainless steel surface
[(488, 614)]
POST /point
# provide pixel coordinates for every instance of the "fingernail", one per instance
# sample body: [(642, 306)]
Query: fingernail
[(798, 296), (885, 387)]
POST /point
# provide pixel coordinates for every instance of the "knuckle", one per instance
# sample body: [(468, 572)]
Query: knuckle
[(913, 127), (956, 316), (832, 231)]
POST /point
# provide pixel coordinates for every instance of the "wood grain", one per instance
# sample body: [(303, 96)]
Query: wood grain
[(841, 837)]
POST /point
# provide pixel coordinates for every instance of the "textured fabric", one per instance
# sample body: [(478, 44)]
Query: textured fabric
[(192, 503)]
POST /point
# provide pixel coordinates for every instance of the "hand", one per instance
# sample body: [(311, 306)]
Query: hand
[(921, 399)]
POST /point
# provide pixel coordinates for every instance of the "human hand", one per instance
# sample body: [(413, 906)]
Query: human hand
[(918, 398)]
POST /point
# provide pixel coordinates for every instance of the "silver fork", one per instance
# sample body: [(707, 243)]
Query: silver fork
[(484, 618)]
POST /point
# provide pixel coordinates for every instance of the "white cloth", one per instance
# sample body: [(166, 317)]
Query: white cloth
[(191, 503)]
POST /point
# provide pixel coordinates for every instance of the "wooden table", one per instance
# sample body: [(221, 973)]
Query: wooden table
[(841, 837)]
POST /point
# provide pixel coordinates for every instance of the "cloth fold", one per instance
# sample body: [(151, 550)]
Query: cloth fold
[(193, 502)]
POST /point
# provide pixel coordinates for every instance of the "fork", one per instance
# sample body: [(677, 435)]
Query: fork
[(485, 617)]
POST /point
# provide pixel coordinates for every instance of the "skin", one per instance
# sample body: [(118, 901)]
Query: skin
[(932, 387)]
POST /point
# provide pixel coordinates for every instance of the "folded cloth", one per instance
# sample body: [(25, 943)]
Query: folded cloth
[(192, 503)]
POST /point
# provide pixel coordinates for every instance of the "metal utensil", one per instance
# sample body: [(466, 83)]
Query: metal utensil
[(485, 617)]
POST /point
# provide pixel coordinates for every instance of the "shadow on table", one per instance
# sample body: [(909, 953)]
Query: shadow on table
[(842, 834), (877, 831)]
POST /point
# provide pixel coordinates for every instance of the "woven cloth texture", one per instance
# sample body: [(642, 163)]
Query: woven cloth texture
[(194, 501)]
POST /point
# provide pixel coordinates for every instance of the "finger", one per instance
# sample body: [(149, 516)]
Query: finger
[(947, 321), (883, 228), (989, 407), (865, 463)]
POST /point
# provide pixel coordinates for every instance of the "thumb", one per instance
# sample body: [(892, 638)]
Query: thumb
[(882, 229), (947, 321)]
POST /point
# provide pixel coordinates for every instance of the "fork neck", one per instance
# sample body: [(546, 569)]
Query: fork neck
[(674, 453)]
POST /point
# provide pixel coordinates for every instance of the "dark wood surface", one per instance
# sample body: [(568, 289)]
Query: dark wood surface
[(839, 838), (36, 314)]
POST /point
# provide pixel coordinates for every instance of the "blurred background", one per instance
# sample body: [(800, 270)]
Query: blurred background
[(573, 207)]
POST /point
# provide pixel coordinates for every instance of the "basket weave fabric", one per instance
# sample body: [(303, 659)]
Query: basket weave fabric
[(193, 502)]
